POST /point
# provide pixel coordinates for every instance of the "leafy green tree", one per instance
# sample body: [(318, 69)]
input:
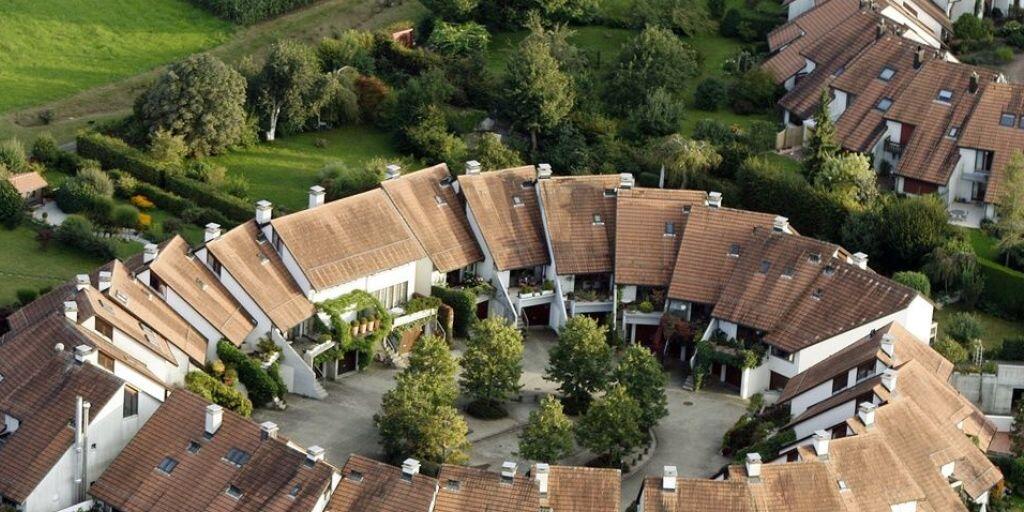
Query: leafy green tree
[(167, 147), (339, 180), (659, 115), (12, 156), (494, 155), (640, 374), (333, 100), (443, 436), (654, 58), (430, 138), (452, 10), (125, 215), (910, 228), (683, 159), (850, 176), (351, 48), (716, 8), (1017, 434), (952, 264), (953, 351), (580, 362), (492, 363), (914, 280), (964, 327), (611, 427), (432, 359), (11, 205), (823, 145), (537, 92), (1011, 207), (548, 435), (200, 99), (459, 40), (710, 94), (755, 91), (282, 87), (972, 32)]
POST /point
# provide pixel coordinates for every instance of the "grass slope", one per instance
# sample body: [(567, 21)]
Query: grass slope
[(52, 49), (24, 265), (996, 329)]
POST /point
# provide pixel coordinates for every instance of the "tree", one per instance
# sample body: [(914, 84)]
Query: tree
[(823, 145), (443, 437), (548, 435), (964, 328), (683, 159), (710, 94), (915, 281), (538, 93), (200, 99), (580, 362), (351, 48), (332, 99), (654, 58), (910, 228), (754, 91), (658, 115), (430, 139), (953, 351), (459, 40), (11, 205), (640, 374), (12, 156), (850, 176), (1011, 207), (492, 363), (611, 427), (451, 10), (494, 155), (167, 147), (125, 215), (952, 264), (283, 84), (432, 359), (418, 418)]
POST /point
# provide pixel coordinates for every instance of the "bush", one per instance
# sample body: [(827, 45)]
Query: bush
[(261, 386), (77, 231), (11, 205), (217, 392), (1004, 54), (486, 410), (125, 216), (760, 137), (1013, 349), (26, 295), (245, 12), (12, 155), (45, 149), (951, 350), (915, 281), (754, 92), (463, 304), (713, 131), (710, 94), (141, 202), (459, 40), (964, 327), (716, 8)]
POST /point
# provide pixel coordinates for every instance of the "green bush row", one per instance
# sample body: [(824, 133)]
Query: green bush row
[(1002, 288), (217, 392), (246, 12), (463, 304), (262, 387)]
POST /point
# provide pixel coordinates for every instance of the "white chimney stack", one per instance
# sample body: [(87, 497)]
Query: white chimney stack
[(316, 196), (543, 471), (866, 413), (860, 259), (543, 171), (410, 468), (150, 252), (392, 171), (714, 199), (81, 281), (71, 311), (889, 345), (86, 354), (212, 232), (669, 478), (214, 417), (780, 224), (508, 471), (314, 454), (264, 211), (821, 440), (626, 181), (889, 379), (268, 430), (105, 280), (473, 167), (754, 466)]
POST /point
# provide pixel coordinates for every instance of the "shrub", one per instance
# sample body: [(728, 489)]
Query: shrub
[(915, 281), (245, 12), (26, 295), (142, 202), (754, 92), (11, 205), (125, 215), (463, 304), (760, 137), (716, 8), (964, 327), (713, 131), (12, 155), (951, 350), (236, 185), (261, 386), (659, 115), (459, 40), (45, 149), (1013, 349), (205, 172), (146, 222), (217, 392), (77, 231), (710, 94)]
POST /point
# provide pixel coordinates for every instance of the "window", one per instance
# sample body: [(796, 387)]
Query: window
[(237, 457), (788, 272), (953, 132), (945, 95), (734, 250), (1007, 120), (193, 447), (765, 266), (884, 104), (234, 492), (214, 263), (609, 192), (105, 361), (103, 327), (517, 201), (1021, 125), (131, 402), (167, 465), (157, 284), (452, 485), (781, 354), (814, 257), (598, 221), (840, 382), (865, 370), (355, 476), (687, 208), (394, 295), (670, 228), (817, 294), (887, 73), (295, 490)]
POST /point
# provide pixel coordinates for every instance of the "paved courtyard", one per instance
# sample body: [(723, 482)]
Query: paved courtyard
[(342, 423)]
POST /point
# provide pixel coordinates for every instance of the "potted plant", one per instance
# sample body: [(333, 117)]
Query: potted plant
[(376, 323), (364, 325), (355, 327), (548, 285)]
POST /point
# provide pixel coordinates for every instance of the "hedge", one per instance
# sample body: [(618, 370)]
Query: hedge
[(463, 304), (231, 206), (1013, 349), (262, 387), (246, 12), (1002, 288), (217, 392)]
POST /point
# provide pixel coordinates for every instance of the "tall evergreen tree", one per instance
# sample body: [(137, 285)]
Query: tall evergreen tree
[(538, 93), (822, 145)]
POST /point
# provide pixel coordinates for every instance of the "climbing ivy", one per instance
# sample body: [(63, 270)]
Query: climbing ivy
[(728, 351), (364, 305)]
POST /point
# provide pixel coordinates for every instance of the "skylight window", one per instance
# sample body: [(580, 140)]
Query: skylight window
[(765, 266), (167, 465), (945, 95), (884, 104), (788, 272), (1007, 120), (887, 73), (237, 457), (734, 250), (452, 485), (598, 221), (193, 447), (234, 492), (1021, 125), (670, 228), (446, 181), (687, 208), (295, 490), (817, 293), (814, 257), (609, 192), (954, 132), (517, 201), (355, 476), (440, 200)]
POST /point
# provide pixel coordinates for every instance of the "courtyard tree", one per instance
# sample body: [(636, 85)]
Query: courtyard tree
[(418, 420), (640, 374), (548, 435), (432, 359), (580, 362), (611, 427), (1011, 207), (822, 146), (283, 85), (538, 94), (491, 366), (443, 437), (200, 99)]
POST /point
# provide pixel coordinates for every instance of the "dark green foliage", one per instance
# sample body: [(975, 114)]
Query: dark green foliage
[(12, 155), (659, 115), (217, 392), (547, 436), (909, 229), (395, 63), (768, 188), (26, 295), (245, 12), (493, 154), (11, 205), (492, 363), (760, 136), (538, 94), (114, 153), (716, 8), (611, 427), (580, 362), (655, 58), (231, 207), (952, 350), (730, 25), (972, 33), (713, 131), (710, 94), (284, 88), (679, 16), (340, 181), (262, 388), (351, 48), (914, 280), (754, 92), (459, 40), (45, 149), (463, 304), (964, 328), (77, 231), (431, 140), (124, 215), (452, 10), (1013, 349), (640, 373)]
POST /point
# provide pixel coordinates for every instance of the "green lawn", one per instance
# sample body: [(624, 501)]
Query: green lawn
[(51, 49), (283, 171), (24, 265), (996, 329)]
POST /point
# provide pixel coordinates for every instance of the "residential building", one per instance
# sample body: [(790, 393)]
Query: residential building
[(193, 455), (925, 21), (29, 185), (367, 484)]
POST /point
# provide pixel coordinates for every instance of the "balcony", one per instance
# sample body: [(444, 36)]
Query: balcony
[(894, 148), (589, 301)]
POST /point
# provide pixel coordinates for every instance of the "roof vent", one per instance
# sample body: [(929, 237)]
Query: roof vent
[(314, 454), (392, 171), (866, 413), (669, 478), (508, 472), (714, 199), (150, 252), (410, 468), (543, 171), (473, 167), (918, 57), (212, 232), (264, 211), (268, 430), (626, 181)]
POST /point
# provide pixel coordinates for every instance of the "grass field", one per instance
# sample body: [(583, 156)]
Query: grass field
[(53, 49), (996, 329), (283, 171), (24, 265)]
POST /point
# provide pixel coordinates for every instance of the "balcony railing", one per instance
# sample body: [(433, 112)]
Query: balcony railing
[(894, 148)]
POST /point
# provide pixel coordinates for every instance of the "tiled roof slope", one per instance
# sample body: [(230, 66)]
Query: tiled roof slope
[(875, 477), (942, 402), (43, 306), (42, 397), (367, 484), (27, 182), (870, 385), (93, 303), (436, 216), (644, 255), (581, 489), (267, 480), (580, 244), (793, 487), (464, 489), (511, 228), (983, 131), (252, 261), (347, 239), (803, 31), (694, 495), (199, 288)]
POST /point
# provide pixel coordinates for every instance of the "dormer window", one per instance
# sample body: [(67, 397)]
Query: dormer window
[(452, 485), (355, 476), (670, 229), (1007, 120), (598, 221), (817, 294), (193, 447), (953, 132), (295, 490), (517, 201), (945, 96), (887, 74), (237, 457), (884, 104), (814, 257), (234, 492), (829, 270), (609, 192), (687, 209), (528, 184), (446, 181), (788, 272)]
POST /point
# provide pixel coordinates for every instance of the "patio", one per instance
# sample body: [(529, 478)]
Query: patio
[(967, 215)]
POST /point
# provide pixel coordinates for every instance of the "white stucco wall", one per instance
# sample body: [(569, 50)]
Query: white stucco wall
[(798, 7), (404, 273), (825, 420), (294, 269), (169, 374)]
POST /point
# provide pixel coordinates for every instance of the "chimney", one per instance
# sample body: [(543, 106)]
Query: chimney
[(669, 478), (82, 447), (821, 439), (316, 196), (71, 311), (58, 348), (889, 379), (81, 281), (880, 29), (626, 181), (105, 279), (866, 413), (392, 171), (754, 467), (214, 416), (918, 57), (264, 212), (150, 252), (410, 468), (972, 86), (268, 430), (780, 224), (543, 171), (472, 167), (314, 454), (860, 259), (508, 472), (86, 354), (714, 199), (543, 471), (889, 345), (212, 232)]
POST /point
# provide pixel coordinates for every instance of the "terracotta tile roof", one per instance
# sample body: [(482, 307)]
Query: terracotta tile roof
[(199, 288), (801, 32), (643, 254), (695, 495), (436, 216), (27, 182), (703, 263), (939, 399), (793, 487), (581, 489), (504, 205), (830, 55), (93, 303), (861, 124), (255, 265), (274, 478), (347, 239), (930, 154), (465, 489), (983, 131), (42, 398), (370, 485), (579, 212), (875, 477), (43, 306)]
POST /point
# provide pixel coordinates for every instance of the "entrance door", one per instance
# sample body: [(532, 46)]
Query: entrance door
[(538, 316), (481, 310), (733, 376), (349, 362)]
